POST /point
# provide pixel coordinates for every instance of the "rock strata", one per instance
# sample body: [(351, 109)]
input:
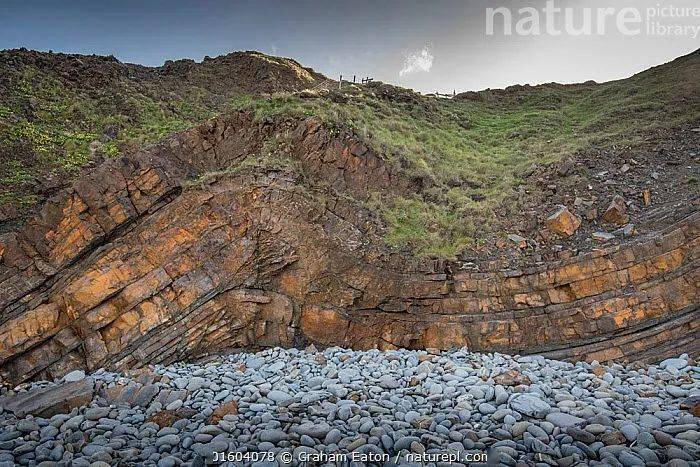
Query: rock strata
[(137, 265)]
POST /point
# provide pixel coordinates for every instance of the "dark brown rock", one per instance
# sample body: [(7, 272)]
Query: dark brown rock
[(512, 378), (692, 405), (227, 408), (616, 213), (52, 400), (663, 439), (614, 437), (166, 418), (581, 435)]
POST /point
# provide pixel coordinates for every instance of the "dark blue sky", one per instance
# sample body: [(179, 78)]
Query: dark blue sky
[(360, 37)]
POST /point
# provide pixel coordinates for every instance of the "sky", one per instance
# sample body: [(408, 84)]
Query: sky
[(431, 45)]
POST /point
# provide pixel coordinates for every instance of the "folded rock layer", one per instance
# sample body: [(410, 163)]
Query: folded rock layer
[(134, 265)]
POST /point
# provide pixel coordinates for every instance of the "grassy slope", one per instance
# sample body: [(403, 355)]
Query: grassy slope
[(62, 122), (471, 154), (53, 108)]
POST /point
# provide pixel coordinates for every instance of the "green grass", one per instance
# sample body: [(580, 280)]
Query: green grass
[(46, 128), (471, 156), (270, 157)]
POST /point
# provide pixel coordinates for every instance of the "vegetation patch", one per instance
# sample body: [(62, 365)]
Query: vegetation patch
[(473, 155)]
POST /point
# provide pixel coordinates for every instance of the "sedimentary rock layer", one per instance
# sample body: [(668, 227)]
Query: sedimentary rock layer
[(133, 266)]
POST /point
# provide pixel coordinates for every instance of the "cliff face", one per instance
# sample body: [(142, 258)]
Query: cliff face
[(135, 264), (60, 113)]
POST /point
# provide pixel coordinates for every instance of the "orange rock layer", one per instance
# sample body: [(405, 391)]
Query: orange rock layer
[(129, 268)]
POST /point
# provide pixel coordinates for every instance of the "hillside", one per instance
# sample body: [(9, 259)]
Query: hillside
[(473, 155), (476, 163), (60, 113), (557, 220)]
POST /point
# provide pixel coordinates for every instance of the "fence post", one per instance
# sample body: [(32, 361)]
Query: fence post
[(340, 83)]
